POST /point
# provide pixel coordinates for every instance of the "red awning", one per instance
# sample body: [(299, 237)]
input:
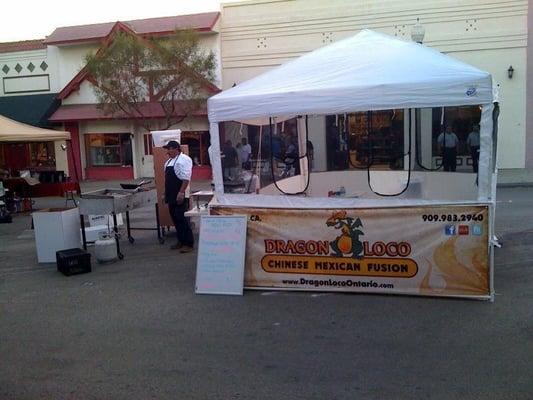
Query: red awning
[(86, 112)]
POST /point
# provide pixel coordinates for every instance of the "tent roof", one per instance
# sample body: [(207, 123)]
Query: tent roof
[(368, 71), (13, 131)]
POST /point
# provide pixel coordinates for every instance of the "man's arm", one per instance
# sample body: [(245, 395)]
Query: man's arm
[(184, 185), (181, 194), (439, 143)]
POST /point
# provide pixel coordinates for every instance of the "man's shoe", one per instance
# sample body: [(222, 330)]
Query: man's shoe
[(176, 246), (186, 249)]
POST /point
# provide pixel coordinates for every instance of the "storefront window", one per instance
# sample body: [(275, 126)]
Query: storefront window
[(198, 143), (365, 139), (42, 155), (461, 120), (112, 149)]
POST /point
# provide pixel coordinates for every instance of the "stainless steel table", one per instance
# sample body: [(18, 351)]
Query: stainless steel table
[(116, 201)]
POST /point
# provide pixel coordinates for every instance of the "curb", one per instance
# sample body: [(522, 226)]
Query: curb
[(514, 185)]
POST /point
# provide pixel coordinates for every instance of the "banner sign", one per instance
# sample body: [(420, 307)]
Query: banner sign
[(422, 250)]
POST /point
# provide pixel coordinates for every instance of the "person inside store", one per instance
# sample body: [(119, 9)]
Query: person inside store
[(230, 159), (246, 154), (448, 142), (178, 171), (473, 144), (238, 149), (310, 153), (292, 157), (42, 156)]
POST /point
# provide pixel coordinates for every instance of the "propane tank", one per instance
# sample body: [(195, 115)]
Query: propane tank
[(105, 249)]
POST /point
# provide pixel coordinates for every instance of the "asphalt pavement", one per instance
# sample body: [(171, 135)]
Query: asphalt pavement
[(136, 330)]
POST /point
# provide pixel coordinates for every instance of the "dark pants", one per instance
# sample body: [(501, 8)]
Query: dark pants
[(449, 159), (474, 153), (183, 229)]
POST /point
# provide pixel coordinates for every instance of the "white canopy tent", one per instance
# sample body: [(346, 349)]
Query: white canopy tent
[(14, 131), (366, 72)]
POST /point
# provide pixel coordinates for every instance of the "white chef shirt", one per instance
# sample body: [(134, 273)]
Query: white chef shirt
[(473, 139), (182, 164), (246, 151), (449, 140)]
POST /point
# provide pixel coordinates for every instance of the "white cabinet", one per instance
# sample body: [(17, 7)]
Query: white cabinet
[(55, 229)]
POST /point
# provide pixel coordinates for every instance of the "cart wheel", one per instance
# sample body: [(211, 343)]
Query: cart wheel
[(131, 240), (121, 256), (161, 240)]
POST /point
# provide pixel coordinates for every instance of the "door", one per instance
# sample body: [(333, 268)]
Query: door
[(147, 159), (17, 156)]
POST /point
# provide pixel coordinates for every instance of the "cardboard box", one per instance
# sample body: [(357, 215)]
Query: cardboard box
[(92, 232), (95, 220)]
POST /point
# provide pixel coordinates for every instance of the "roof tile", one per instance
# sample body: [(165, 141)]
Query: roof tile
[(150, 26), (24, 45)]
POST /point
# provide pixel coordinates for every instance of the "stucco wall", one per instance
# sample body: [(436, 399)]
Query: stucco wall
[(211, 42), (529, 95), (259, 35), (512, 122), (33, 78), (85, 95), (72, 60)]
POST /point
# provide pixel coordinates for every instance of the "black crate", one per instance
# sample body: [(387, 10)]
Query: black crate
[(73, 261)]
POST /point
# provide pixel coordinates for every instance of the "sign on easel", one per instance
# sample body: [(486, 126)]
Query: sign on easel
[(221, 251)]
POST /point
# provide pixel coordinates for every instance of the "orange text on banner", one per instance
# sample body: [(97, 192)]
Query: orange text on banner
[(319, 265)]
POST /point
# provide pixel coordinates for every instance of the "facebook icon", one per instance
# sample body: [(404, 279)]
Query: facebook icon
[(449, 230)]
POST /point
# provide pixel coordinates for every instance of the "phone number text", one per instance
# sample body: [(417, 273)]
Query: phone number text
[(452, 217)]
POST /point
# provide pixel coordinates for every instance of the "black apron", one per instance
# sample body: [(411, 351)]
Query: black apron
[(172, 183)]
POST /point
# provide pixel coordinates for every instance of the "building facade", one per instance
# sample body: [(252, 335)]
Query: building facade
[(108, 146), (28, 90), (250, 37), (259, 35)]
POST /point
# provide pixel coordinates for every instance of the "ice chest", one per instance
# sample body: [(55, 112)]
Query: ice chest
[(73, 261)]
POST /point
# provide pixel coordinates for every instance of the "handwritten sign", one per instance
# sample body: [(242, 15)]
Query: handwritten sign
[(221, 250)]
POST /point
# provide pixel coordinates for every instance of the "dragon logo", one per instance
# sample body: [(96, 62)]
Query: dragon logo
[(348, 241)]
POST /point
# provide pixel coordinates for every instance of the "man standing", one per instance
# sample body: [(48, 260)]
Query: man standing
[(178, 170), (246, 153), (229, 161), (292, 157), (473, 144), (448, 141)]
